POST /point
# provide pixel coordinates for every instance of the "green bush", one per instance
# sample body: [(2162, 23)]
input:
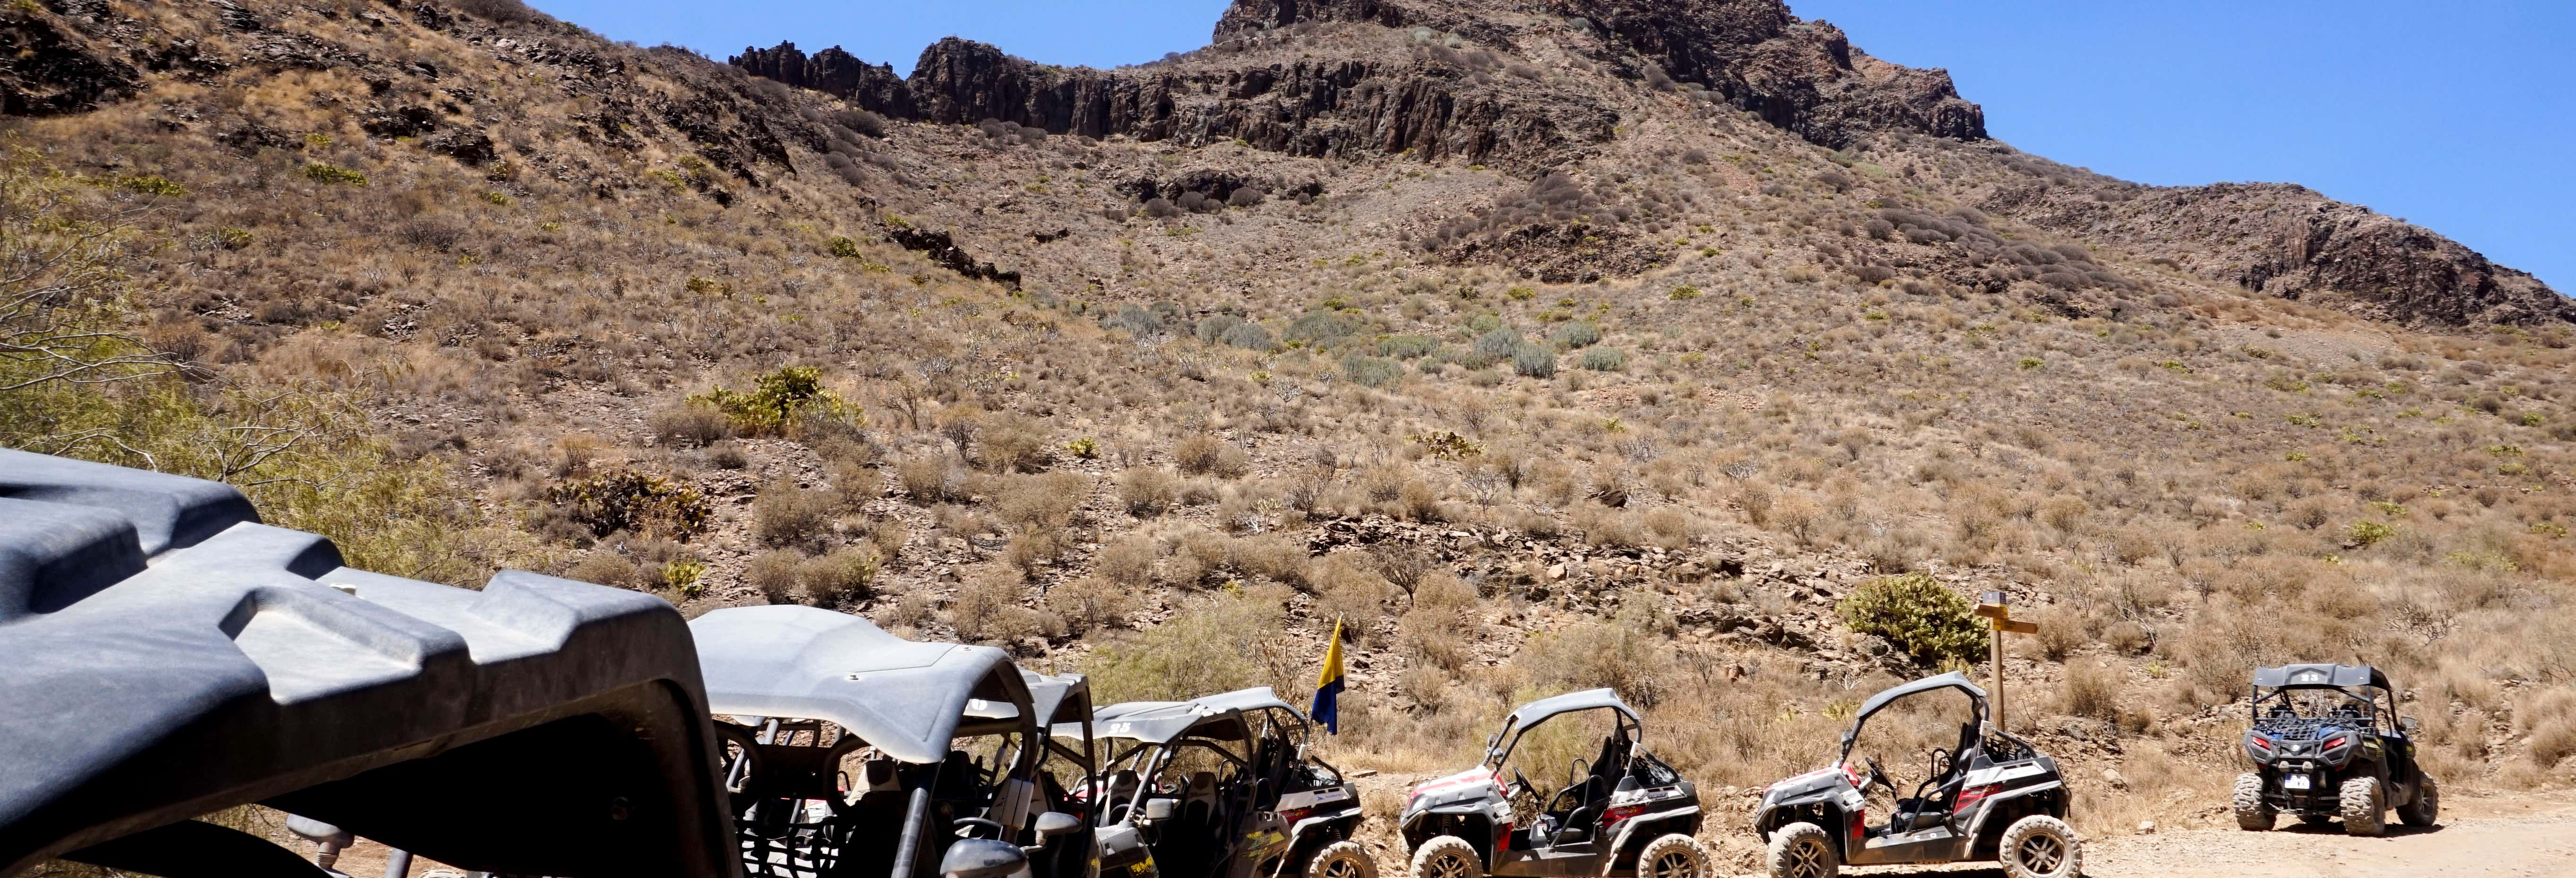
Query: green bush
[(781, 398), (844, 247), (1533, 361), (1603, 359), (1406, 347), (1368, 371), (1579, 334), (322, 173), (1685, 293), (2368, 533), (1499, 342), (1918, 614)]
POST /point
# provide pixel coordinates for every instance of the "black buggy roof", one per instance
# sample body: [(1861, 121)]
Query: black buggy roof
[(2320, 676)]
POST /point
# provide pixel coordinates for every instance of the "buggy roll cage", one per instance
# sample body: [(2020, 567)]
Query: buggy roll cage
[(2362, 684), (908, 701), (1880, 701), (1627, 726), (1165, 726)]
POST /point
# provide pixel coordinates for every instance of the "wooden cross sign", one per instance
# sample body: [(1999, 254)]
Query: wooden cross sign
[(1993, 608)]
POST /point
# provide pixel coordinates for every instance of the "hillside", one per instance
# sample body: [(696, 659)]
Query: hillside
[(1588, 342)]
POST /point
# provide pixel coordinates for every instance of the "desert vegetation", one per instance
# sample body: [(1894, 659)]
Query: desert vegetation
[(1180, 438)]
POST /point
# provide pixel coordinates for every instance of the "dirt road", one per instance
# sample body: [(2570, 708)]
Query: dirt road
[(2520, 836), (2487, 839)]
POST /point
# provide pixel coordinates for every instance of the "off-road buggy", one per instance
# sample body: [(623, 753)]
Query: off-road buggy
[(1622, 812), (852, 753), (1992, 797), (1220, 787), (164, 655), (2327, 743)]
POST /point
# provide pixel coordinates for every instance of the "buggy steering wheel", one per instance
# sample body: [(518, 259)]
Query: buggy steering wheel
[(1877, 777)]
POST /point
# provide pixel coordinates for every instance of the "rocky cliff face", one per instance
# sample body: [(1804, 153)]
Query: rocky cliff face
[(2292, 242), (1425, 91)]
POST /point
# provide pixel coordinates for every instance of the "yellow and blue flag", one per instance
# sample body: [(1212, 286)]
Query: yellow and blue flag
[(1328, 687)]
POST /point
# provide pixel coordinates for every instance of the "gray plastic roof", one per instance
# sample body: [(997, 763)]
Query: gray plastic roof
[(2320, 676), (1053, 698), (905, 698), (1589, 699), (167, 655), (1157, 722), (1951, 680)]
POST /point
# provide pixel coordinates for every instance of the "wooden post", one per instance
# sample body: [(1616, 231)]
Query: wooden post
[(2000, 617)]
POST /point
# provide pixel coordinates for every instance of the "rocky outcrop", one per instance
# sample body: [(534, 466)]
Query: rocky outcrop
[(1323, 107), (2393, 270), (1801, 76), (2290, 241), (874, 88), (47, 70)]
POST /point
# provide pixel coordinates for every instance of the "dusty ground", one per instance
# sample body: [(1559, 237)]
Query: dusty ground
[(2515, 836)]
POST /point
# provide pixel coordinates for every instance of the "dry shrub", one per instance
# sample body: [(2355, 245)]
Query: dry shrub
[(1036, 547), (1128, 563), (1014, 443), (1197, 556), (1439, 629), (1043, 500), (1670, 527), (2549, 719), (728, 454), (1091, 603), (1218, 642), (1633, 659), (1347, 590), (1416, 501), (929, 478), (888, 537), (773, 574), (1205, 455), (2062, 631), (1147, 492), (1278, 557), (1383, 483), (689, 424), (2091, 689), (1755, 499), (988, 609), (786, 515), (842, 576), (605, 567)]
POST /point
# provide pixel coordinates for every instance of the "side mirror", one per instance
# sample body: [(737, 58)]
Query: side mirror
[(983, 858), (1055, 823), (1160, 809)]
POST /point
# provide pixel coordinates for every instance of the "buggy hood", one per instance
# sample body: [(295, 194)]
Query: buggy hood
[(905, 698)]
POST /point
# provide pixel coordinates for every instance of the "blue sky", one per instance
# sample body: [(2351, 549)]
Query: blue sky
[(2460, 116)]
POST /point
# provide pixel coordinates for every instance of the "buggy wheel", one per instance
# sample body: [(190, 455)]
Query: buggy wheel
[(1447, 857), (2427, 805), (1673, 856), (2252, 813), (1803, 850), (2040, 846), (2365, 807), (1341, 859)]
